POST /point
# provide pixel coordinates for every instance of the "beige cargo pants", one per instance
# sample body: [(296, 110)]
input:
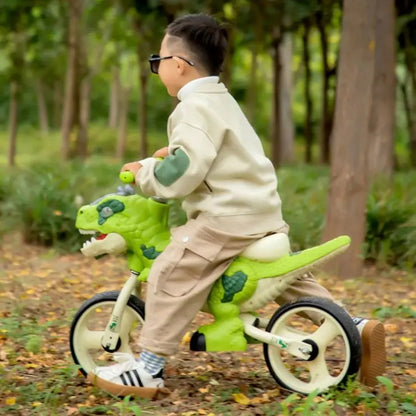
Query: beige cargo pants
[(182, 276)]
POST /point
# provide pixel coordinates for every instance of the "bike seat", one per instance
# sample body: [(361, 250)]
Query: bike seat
[(268, 248)]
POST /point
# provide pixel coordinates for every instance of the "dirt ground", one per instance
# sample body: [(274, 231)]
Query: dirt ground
[(47, 287)]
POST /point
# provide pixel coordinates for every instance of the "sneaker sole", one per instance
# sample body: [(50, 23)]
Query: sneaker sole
[(154, 393), (373, 361)]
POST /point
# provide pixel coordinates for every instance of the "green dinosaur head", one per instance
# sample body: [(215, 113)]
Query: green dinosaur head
[(121, 222)]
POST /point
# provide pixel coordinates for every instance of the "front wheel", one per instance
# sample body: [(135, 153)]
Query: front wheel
[(335, 339), (89, 324)]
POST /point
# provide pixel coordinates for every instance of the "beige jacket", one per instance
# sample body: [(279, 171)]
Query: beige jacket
[(222, 174)]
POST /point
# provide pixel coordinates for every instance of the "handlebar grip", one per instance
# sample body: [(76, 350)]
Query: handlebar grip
[(126, 177)]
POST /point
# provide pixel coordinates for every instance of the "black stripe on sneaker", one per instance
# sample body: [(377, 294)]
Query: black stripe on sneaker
[(123, 379), (357, 320), (159, 374), (138, 378), (127, 373)]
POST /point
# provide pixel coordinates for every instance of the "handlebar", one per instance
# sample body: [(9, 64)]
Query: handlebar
[(126, 177)]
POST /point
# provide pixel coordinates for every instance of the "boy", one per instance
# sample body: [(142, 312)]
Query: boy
[(215, 163)]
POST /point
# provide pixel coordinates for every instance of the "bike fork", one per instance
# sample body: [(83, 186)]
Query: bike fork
[(110, 341), (299, 349)]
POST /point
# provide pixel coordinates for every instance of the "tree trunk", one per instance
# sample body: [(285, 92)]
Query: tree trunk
[(346, 209), (287, 133), (114, 98), (122, 122), (227, 66), (72, 75), (276, 141), (382, 120), (308, 128), (327, 113), (409, 99), (251, 93), (412, 134), (57, 103), (42, 108), (410, 110), (143, 113), (14, 88), (84, 117)]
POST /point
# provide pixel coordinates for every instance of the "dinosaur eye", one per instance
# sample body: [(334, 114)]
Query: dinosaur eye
[(106, 212)]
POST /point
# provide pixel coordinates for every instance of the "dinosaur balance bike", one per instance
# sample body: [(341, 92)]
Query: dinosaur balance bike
[(308, 345)]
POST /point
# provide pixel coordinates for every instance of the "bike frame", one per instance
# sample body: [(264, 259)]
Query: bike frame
[(111, 335), (252, 325)]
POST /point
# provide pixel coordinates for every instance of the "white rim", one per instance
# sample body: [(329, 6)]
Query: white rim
[(319, 376), (86, 341)]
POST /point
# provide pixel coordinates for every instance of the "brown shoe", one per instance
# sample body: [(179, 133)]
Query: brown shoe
[(373, 361)]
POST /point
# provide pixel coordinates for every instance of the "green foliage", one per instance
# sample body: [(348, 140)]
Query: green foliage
[(43, 203), (44, 398), (303, 191), (401, 311), (43, 200), (127, 408), (337, 401), (391, 223), (24, 330), (4, 193)]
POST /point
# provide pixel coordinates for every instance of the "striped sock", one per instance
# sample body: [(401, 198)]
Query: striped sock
[(153, 363)]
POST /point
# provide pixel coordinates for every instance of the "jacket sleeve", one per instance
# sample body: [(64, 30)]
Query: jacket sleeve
[(191, 154)]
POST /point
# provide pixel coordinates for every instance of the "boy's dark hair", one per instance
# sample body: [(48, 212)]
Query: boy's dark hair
[(205, 38)]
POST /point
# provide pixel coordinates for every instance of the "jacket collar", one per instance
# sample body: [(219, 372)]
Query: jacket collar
[(205, 84)]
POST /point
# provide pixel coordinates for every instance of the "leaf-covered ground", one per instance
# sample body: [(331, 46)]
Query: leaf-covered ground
[(41, 290)]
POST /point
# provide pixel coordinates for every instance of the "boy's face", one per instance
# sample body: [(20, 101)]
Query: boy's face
[(174, 73)]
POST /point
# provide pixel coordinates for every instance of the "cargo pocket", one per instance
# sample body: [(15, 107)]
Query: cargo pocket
[(197, 248)]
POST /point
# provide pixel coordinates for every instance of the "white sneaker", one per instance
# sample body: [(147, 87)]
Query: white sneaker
[(127, 377)]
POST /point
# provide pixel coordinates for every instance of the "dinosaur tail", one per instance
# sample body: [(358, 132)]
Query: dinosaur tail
[(276, 276), (304, 260)]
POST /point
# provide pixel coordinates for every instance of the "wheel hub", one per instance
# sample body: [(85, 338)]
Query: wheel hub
[(315, 349), (117, 347)]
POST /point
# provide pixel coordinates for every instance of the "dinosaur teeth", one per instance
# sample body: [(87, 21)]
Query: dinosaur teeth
[(89, 242), (86, 231), (86, 244)]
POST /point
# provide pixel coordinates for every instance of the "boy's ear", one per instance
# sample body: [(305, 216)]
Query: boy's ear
[(180, 65)]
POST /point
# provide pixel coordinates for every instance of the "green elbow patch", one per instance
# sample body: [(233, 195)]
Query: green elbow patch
[(172, 168)]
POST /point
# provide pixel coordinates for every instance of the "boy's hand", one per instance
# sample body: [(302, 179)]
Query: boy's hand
[(132, 167), (163, 152)]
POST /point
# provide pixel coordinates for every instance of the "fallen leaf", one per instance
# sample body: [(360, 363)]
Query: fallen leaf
[(406, 340), (204, 390), (241, 398), (10, 401)]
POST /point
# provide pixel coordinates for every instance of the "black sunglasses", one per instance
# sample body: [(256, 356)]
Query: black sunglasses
[(154, 61)]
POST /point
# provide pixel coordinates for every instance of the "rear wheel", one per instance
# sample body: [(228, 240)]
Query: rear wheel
[(89, 324), (336, 352)]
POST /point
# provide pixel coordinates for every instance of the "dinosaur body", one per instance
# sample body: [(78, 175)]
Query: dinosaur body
[(139, 226)]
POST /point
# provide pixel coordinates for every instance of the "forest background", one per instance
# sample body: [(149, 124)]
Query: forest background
[(329, 85)]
